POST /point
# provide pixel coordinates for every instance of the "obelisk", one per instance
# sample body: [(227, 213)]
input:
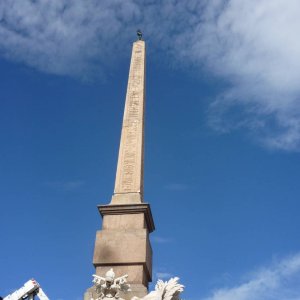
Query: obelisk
[(130, 169), (123, 243)]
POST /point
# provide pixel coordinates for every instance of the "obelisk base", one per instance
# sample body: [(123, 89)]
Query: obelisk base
[(123, 244), (127, 198)]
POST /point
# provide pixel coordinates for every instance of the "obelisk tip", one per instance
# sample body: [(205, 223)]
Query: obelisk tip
[(139, 34)]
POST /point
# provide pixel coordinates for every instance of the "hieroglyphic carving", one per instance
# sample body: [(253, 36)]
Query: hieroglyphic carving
[(129, 170)]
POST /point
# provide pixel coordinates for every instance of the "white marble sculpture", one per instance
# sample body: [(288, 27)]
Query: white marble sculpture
[(168, 290), (108, 287)]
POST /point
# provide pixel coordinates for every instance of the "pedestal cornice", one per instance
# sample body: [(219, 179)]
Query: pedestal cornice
[(122, 209)]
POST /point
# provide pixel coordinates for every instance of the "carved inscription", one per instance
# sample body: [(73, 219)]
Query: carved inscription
[(131, 164)]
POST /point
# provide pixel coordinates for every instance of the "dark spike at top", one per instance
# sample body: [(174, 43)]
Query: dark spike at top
[(139, 34)]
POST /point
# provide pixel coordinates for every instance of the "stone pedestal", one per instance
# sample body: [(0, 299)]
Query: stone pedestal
[(123, 244)]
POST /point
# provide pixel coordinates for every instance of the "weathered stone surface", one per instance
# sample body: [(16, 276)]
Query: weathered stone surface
[(124, 222), (129, 177), (126, 247), (127, 198)]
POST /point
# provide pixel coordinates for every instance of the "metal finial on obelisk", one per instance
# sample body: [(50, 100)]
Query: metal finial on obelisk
[(139, 34)]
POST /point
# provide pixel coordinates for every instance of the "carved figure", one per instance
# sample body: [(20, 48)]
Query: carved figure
[(168, 290), (108, 287)]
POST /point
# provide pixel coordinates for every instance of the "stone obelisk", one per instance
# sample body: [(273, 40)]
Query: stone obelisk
[(123, 243)]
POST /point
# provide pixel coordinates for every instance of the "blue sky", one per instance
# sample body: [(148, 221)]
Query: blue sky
[(222, 141)]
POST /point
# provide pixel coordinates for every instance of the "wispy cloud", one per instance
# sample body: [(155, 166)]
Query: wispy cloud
[(278, 281), (160, 239), (66, 186), (252, 45), (176, 186), (64, 37), (163, 275)]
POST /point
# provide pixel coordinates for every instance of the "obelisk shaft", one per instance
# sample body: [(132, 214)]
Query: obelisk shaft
[(129, 176)]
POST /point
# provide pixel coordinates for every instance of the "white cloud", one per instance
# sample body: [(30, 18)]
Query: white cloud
[(64, 37), (252, 45), (66, 186), (163, 275), (176, 187), (279, 281)]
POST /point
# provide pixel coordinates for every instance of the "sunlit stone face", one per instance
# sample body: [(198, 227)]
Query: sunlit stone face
[(129, 177)]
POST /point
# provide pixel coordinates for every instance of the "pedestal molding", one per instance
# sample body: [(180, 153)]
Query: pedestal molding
[(122, 209)]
